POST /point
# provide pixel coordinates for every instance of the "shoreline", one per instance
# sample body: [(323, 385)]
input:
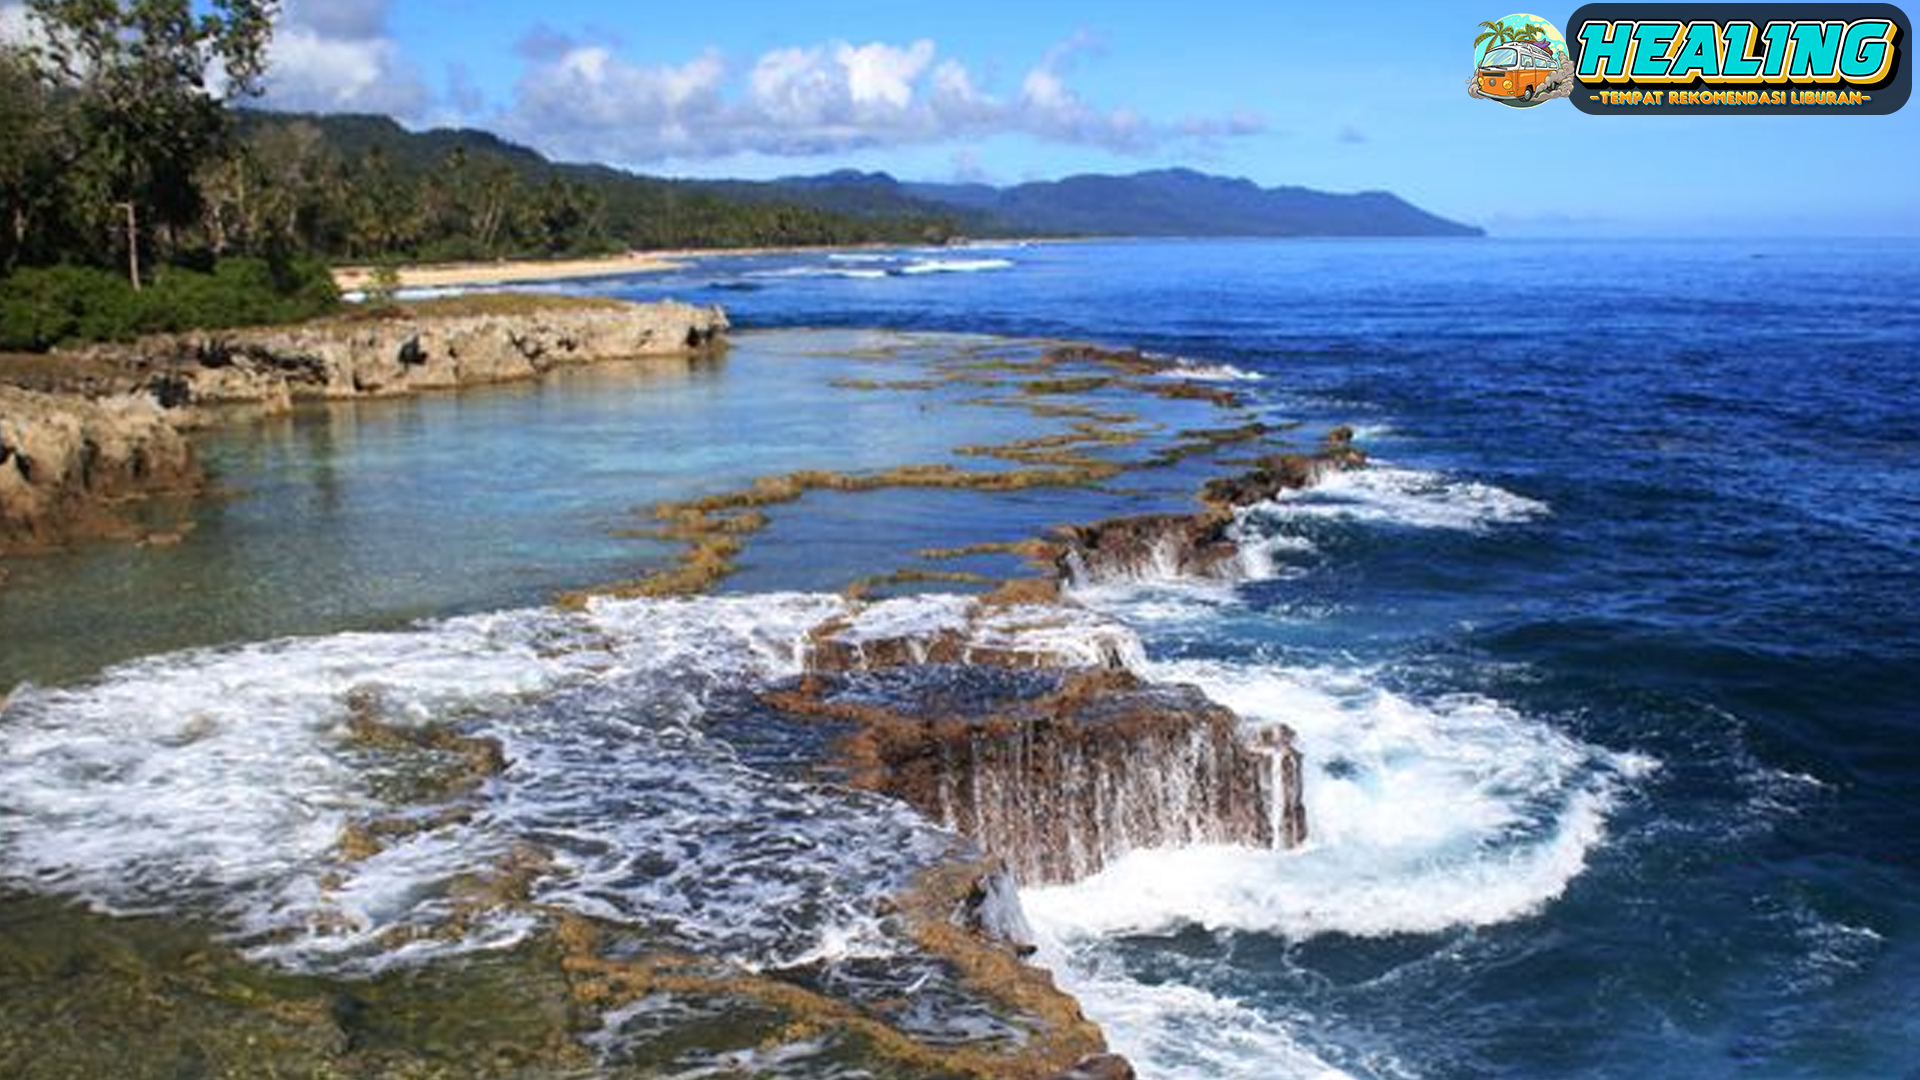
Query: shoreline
[(959, 910), (509, 272), (355, 278), (86, 434)]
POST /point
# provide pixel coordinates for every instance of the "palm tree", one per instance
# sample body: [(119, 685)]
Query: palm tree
[(1498, 33)]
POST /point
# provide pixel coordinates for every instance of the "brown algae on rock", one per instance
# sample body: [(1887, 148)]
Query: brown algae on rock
[(1075, 383)]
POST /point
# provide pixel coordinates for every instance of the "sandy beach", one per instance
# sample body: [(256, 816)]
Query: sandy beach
[(527, 271), (355, 278)]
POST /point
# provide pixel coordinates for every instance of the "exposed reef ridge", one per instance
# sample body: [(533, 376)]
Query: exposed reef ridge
[(1018, 721), (1200, 544), (83, 432), (68, 465)]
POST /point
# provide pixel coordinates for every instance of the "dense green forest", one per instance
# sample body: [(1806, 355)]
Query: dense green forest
[(363, 188), (113, 152), (136, 195)]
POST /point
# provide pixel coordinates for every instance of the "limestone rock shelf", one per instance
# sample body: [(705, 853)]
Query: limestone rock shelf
[(84, 432), (67, 464)]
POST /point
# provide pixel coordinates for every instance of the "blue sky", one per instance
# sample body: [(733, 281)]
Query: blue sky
[(1325, 95)]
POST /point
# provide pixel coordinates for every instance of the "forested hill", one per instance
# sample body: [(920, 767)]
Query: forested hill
[(363, 187), (1182, 202), (517, 202)]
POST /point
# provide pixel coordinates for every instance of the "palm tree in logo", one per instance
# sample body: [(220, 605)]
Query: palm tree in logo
[(1499, 33)]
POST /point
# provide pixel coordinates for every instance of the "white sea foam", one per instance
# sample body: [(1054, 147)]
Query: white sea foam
[(956, 266), (851, 272), (1068, 633), (1175, 1032), (1208, 372), (1424, 816), (218, 782), (1054, 633), (1412, 498), (923, 615), (1266, 557), (875, 267), (1173, 604)]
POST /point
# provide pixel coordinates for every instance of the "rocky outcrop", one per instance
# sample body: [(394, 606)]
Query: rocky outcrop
[(959, 630), (1202, 544), (1276, 474), (1021, 725), (1059, 773), (68, 464), (102, 424), (402, 352), (1148, 547)]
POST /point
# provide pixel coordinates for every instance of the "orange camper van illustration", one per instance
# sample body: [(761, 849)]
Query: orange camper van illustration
[(1518, 69)]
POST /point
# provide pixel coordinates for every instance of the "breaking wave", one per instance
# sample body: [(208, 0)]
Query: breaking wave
[(1410, 498)]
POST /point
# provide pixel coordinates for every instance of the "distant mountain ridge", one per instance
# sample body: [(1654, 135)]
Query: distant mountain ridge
[(1160, 202), (1183, 202)]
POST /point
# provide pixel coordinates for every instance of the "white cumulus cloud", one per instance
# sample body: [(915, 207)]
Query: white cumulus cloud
[(337, 56), (586, 100)]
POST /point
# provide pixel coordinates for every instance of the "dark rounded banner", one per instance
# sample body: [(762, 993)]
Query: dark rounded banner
[(1810, 59)]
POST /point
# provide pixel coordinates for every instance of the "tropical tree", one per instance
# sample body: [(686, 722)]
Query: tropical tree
[(31, 165), (148, 81)]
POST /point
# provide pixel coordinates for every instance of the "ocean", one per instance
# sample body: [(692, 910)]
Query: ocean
[(1604, 671)]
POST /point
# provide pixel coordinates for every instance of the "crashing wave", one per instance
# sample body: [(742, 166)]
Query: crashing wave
[(1410, 498)]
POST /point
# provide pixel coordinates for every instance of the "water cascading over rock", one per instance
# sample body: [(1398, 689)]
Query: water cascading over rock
[(1052, 764), (1197, 545), (1024, 727)]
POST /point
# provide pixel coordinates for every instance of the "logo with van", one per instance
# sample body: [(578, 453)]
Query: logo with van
[(1521, 61)]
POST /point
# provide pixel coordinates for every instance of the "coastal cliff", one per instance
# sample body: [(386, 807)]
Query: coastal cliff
[(67, 463), (84, 432), (470, 341)]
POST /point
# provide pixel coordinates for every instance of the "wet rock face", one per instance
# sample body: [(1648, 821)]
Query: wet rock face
[(66, 464), (1278, 473), (1148, 546), (1060, 772), (1101, 1067), (399, 356), (1152, 546)]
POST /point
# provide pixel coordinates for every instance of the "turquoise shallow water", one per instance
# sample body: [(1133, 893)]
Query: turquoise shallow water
[(374, 513)]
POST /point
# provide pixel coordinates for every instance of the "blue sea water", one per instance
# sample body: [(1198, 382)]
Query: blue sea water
[(1606, 672), (1656, 540)]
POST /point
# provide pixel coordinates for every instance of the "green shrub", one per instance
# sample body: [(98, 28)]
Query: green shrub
[(382, 290), (44, 307), (40, 308)]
